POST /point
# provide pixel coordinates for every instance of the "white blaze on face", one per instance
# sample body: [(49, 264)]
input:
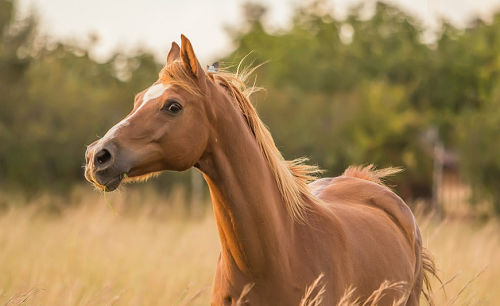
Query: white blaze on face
[(153, 92)]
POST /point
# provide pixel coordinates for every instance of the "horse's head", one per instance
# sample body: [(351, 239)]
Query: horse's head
[(168, 128)]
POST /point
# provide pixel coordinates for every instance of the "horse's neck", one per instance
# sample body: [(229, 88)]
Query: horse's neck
[(252, 220)]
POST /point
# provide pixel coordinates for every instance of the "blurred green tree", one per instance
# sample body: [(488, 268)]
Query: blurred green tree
[(340, 91), (364, 89)]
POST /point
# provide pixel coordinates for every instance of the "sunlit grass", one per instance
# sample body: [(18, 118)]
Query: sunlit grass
[(109, 204), (467, 254), (84, 255)]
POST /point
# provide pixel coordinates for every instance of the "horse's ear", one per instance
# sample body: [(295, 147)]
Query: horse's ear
[(189, 58), (175, 53)]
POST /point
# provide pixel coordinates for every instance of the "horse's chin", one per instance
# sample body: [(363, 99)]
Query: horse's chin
[(110, 185), (113, 184), (123, 178)]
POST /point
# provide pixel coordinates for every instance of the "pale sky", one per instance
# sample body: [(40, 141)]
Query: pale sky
[(154, 24)]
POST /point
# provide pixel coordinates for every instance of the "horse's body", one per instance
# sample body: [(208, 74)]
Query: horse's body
[(277, 232)]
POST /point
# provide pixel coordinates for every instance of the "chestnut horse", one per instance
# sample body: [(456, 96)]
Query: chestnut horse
[(279, 227)]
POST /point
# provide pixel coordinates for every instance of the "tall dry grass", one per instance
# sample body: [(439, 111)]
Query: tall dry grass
[(84, 255), (54, 254)]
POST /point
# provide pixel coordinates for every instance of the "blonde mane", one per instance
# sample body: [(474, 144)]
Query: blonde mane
[(369, 173), (292, 176)]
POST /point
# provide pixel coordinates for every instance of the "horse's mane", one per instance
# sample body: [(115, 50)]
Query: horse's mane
[(369, 173), (292, 176)]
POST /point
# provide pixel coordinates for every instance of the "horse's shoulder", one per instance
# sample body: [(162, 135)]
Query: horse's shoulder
[(344, 190)]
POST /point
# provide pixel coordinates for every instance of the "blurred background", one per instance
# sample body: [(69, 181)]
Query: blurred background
[(407, 84), (412, 84)]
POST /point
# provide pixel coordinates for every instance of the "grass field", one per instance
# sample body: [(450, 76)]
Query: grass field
[(84, 255)]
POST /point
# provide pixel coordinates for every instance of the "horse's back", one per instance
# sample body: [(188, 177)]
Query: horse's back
[(352, 192), (381, 232)]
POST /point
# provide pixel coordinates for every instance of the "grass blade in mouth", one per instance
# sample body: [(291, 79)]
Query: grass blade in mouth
[(109, 203)]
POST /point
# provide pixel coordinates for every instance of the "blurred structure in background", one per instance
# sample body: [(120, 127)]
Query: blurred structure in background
[(364, 89)]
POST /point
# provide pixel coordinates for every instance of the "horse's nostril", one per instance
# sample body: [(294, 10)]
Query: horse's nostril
[(102, 157)]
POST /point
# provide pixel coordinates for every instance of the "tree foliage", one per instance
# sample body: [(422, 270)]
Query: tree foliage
[(368, 90), (54, 100), (353, 91)]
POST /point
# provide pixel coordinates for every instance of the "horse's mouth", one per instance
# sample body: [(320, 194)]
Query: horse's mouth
[(113, 183), (110, 185)]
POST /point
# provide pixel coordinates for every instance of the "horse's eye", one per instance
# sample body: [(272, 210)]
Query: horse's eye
[(172, 107)]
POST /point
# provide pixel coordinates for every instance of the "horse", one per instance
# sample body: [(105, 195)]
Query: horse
[(280, 227)]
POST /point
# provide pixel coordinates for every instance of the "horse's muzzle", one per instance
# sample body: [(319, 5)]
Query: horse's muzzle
[(101, 168)]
